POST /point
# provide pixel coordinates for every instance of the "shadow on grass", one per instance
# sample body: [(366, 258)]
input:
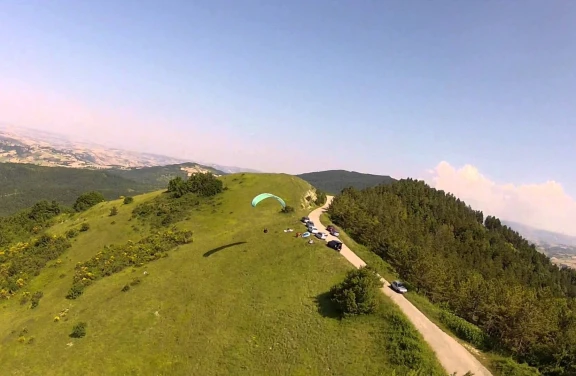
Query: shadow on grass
[(326, 307), (212, 251)]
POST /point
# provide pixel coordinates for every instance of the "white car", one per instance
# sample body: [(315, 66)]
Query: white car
[(312, 230), (321, 235)]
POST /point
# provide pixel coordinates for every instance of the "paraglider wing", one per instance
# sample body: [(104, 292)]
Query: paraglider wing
[(264, 196)]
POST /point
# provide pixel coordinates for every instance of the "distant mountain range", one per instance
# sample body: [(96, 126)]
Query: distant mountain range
[(333, 181), (24, 145)]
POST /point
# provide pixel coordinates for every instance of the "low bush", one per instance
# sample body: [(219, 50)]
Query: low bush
[(288, 209), (36, 299), (508, 367), (72, 233), (128, 200), (465, 330), (113, 211), (79, 330), (357, 294), (87, 200), (164, 211), (84, 227), (22, 261)]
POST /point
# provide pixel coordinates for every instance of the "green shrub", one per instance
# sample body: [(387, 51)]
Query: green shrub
[(25, 298), (465, 330), (288, 209), (113, 211), (25, 260), (508, 367), (87, 200), (75, 291), (202, 184), (36, 299), (165, 210), (404, 346), (72, 233), (79, 330), (84, 227), (320, 198), (357, 294), (125, 288), (128, 200)]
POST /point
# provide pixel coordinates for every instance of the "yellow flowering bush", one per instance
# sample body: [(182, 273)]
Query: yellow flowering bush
[(115, 258)]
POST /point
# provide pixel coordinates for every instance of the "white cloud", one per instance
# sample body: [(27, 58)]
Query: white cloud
[(546, 206)]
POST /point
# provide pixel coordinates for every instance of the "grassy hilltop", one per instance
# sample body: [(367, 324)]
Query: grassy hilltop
[(233, 301)]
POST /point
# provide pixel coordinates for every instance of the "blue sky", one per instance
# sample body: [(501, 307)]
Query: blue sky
[(389, 87)]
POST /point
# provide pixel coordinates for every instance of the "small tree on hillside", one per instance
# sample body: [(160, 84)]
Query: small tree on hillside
[(86, 200), (128, 200), (44, 210), (202, 184), (177, 187), (320, 198), (113, 211), (357, 294)]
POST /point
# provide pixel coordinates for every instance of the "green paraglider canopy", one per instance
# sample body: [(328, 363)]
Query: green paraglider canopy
[(264, 196)]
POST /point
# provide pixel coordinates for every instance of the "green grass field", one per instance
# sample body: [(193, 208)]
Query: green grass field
[(236, 301)]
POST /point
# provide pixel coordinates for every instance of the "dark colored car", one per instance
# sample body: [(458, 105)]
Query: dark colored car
[(334, 244), (305, 219)]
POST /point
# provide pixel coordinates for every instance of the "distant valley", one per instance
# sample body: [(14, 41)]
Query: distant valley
[(559, 247), (24, 145)]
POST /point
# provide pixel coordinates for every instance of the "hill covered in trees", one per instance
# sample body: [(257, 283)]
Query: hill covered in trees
[(517, 301), (334, 181), (22, 185)]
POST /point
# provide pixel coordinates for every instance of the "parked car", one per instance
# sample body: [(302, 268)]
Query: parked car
[(305, 220), (398, 287), (333, 230), (321, 235), (312, 229), (334, 244)]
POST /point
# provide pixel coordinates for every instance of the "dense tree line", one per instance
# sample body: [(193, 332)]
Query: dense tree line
[(202, 184), (478, 269)]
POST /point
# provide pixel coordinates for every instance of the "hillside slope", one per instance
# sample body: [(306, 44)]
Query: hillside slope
[(333, 181), (495, 289), (234, 301), (22, 185), (158, 176)]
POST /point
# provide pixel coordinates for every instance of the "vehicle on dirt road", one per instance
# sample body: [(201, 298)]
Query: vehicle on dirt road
[(312, 229), (321, 235), (333, 231), (334, 244), (398, 287), (305, 220)]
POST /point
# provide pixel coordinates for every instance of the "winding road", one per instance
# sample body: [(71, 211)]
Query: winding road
[(453, 356)]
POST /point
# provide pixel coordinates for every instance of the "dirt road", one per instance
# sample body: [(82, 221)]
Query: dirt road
[(452, 355)]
